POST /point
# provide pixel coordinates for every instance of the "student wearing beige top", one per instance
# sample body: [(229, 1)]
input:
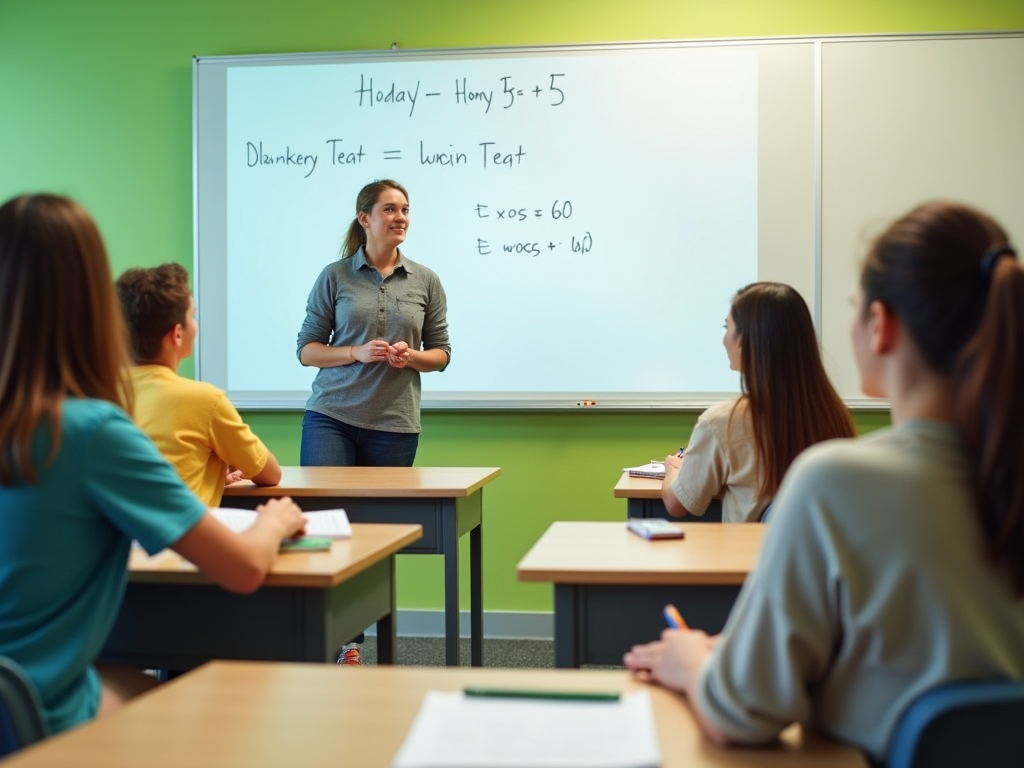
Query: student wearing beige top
[(740, 449), (895, 562)]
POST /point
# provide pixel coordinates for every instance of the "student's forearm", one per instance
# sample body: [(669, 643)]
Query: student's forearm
[(672, 504), (237, 562), (710, 729), (270, 474)]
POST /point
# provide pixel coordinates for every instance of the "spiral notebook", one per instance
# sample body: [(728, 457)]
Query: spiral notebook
[(655, 469)]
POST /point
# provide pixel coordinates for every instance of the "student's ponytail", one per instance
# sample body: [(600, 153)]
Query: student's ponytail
[(988, 386), (948, 272)]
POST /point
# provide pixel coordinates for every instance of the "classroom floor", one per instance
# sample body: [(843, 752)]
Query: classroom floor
[(429, 652)]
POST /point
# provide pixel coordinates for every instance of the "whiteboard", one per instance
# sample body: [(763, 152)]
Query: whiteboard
[(906, 120), (590, 210)]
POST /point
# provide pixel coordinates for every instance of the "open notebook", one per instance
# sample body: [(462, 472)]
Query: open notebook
[(650, 469), (325, 523)]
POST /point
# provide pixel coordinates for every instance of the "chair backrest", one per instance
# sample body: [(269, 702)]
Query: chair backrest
[(965, 723), (21, 713)]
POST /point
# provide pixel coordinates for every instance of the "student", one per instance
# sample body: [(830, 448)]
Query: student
[(375, 320), (78, 479), (193, 423), (739, 450), (894, 562)]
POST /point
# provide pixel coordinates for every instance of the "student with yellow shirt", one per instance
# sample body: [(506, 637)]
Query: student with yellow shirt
[(193, 423)]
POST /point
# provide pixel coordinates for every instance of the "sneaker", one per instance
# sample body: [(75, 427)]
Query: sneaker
[(349, 656)]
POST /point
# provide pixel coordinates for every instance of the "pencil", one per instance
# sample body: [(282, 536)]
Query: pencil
[(524, 693)]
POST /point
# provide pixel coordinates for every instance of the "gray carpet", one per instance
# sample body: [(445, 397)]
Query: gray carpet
[(429, 652), (503, 653)]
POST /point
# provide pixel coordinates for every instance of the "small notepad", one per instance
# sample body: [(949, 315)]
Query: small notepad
[(654, 469), (329, 523)]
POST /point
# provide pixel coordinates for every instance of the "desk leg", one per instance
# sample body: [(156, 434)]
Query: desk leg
[(387, 627), (476, 597), (569, 626), (450, 538)]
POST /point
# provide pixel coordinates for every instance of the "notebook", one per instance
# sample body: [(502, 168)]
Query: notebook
[(652, 468), (325, 523)]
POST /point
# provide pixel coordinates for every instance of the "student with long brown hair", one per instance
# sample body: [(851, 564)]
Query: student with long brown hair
[(739, 450), (78, 480), (895, 562)]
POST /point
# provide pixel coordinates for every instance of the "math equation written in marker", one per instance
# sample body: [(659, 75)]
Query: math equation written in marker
[(464, 92)]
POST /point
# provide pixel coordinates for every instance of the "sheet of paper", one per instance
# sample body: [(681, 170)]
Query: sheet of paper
[(332, 523), (458, 731)]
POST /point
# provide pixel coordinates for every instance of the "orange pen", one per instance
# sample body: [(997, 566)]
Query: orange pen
[(674, 618)]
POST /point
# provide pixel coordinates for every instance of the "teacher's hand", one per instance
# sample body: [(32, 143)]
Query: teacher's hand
[(398, 355), (375, 351)]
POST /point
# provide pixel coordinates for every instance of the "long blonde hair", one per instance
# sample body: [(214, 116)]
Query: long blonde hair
[(63, 332)]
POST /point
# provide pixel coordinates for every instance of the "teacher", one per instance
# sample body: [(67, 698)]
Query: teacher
[(375, 320)]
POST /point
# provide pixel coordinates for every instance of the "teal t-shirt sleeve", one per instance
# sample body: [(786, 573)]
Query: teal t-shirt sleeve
[(137, 489)]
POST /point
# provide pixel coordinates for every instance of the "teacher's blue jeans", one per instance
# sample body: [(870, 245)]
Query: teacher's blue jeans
[(327, 442)]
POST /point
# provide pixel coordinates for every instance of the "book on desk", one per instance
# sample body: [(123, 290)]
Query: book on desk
[(655, 469)]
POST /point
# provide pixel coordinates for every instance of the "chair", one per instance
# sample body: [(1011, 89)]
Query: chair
[(962, 724), (21, 713)]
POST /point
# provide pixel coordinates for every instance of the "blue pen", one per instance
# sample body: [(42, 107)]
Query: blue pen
[(674, 618), (680, 452)]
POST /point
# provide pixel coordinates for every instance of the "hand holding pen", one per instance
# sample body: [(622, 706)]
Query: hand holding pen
[(676, 658), (676, 460)]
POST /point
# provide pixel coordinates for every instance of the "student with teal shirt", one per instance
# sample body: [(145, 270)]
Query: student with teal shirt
[(78, 480)]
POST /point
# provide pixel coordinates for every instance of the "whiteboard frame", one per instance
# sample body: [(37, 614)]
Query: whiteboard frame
[(540, 401)]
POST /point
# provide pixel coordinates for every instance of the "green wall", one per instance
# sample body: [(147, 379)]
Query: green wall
[(96, 103)]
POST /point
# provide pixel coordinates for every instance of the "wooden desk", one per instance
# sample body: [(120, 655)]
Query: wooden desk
[(611, 585), (173, 617), (251, 714), (446, 501), (643, 499)]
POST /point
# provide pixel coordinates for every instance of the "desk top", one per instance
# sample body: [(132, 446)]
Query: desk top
[(637, 487), (370, 543), (371, 482), (266, 714), (607, 553)]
